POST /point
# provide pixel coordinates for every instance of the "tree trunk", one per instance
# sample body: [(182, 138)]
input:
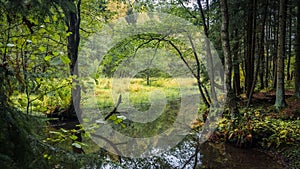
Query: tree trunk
[(267, 67), (225, 44), (268, 38), (290, 46), (227, 57), (280, 97), (260, 54), (262, 68), (210, 67), (297, 46), (262, 46), (74, 111), (207, 14), (251, 38), (274, 70), (148, 77), (275, 52), (236, 67)]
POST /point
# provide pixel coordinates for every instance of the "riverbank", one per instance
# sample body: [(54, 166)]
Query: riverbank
[(260, 126)]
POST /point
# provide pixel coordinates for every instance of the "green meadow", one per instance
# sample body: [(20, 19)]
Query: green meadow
[(138, 90)]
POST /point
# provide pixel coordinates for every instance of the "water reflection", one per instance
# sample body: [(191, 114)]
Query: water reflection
[(211, 155)]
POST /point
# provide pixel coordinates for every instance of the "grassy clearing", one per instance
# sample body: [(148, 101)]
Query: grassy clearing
[(140, 94), (138, 90)]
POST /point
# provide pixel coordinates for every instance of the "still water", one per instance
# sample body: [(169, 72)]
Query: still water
[(211, 155)]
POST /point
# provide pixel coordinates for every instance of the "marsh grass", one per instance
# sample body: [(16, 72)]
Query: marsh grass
[(138, 90)]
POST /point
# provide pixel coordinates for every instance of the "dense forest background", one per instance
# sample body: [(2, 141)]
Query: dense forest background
[(258, 43)]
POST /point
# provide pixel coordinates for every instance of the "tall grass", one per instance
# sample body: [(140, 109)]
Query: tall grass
[(138, 90)]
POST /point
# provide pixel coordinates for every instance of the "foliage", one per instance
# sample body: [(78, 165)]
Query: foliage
[(238, 131), (276, 132), (256, 127), (50, 95), (16, 149), (65, 137), (56, 144), (152, 72)]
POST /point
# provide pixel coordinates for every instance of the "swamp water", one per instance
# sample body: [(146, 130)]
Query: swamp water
[(183, 155), (211, 155)]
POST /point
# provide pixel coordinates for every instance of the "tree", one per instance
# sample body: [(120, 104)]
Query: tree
[(73, 24), (280, 95), (297, 49), (227, 56), (260, 59), (250, 47), (236, 64), (210, 67), (225, 44)]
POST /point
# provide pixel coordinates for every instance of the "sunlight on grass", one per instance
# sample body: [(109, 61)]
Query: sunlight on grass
[(138, 89)]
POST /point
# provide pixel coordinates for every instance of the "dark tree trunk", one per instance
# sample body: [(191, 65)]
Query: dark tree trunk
[(236, 66), (290, 45), (207, 14), (262, 47), (74, 111), (274, 70), (260, 54), (275, 51), (268, 56), (148, 77), (297, 64), (280, 97), (262, 70), (251, 37), (267, 67)]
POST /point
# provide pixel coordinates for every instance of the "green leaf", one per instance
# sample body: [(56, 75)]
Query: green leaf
[(113, 117), (65, 60), (42, 48), (76, 145), (47, 20), (47, 58), (34, 40), (118, 121), (54, 132), (56, 36), (68, 34), (55, 53), (63, 130), (47, 156), (123, 125), (54, 18), (73, 137)]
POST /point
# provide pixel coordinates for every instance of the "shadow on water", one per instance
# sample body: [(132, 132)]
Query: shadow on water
[(226, 156)]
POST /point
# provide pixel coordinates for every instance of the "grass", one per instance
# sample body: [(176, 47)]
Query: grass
[(139, 92)]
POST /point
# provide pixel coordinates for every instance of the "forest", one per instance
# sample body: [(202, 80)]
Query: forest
[(150, 84)]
